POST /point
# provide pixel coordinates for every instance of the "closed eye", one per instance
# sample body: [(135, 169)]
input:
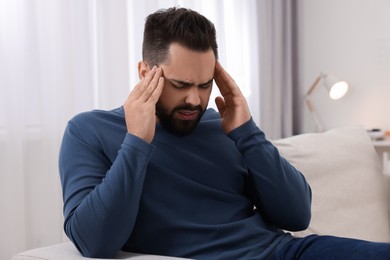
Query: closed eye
[(206, 86), (180, 86)]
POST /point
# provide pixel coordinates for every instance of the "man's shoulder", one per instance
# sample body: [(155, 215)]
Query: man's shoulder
[(97, 120), (97, 115)]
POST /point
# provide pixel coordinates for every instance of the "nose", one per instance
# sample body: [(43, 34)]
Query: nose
[(192, 96)]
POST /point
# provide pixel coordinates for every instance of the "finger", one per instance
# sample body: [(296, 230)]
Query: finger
[(154, 97), (225, 82), (220, 78), (139, 89), (220, 105), (153, 84)]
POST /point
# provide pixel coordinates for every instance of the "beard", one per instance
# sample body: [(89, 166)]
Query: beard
[(177, 126)]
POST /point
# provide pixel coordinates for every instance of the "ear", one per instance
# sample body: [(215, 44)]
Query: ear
[(143, 68)]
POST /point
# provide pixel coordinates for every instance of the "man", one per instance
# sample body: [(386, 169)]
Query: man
[(164, 175)]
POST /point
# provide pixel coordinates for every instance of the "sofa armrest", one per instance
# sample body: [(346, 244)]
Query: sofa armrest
[(67, 251)]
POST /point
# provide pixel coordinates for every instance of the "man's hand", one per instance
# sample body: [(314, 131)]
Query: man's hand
[(233, 107), (140, 106)]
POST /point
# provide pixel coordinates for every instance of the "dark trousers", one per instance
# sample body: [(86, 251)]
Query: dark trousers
[(330, 247)]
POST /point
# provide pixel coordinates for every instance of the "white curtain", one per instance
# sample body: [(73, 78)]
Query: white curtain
[(278, 70), (62, 57)]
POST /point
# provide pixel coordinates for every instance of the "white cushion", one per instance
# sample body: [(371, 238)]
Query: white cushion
[(343, 170), (67, 251)]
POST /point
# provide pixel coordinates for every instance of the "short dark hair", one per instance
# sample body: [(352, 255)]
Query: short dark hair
[(179, 25)]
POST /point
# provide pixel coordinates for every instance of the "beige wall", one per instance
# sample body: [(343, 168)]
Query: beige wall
[(351, 40)]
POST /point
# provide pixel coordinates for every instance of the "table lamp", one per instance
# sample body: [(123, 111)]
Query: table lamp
[(336, 89)]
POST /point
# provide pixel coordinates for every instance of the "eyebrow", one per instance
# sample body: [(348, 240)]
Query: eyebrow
[(187, 84)]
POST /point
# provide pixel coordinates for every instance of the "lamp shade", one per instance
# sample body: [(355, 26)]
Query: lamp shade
[(336, 88)]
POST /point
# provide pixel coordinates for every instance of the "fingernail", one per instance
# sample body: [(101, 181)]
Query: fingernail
[(154, 68)]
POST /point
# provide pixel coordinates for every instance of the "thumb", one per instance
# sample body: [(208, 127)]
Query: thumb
[(220, 105)]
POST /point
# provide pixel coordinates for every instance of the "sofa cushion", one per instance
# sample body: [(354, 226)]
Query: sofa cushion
[(349, 196), (67, 251)]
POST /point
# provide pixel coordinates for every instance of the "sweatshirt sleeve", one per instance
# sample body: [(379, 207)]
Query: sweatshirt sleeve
[(101, 199), (279, 191)]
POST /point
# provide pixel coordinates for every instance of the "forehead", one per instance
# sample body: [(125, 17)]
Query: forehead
[(189, 65)]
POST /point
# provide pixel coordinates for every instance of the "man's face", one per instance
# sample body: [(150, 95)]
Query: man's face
[(188, 81)]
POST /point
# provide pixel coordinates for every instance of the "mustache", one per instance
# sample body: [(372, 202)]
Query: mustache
[(188, 107)]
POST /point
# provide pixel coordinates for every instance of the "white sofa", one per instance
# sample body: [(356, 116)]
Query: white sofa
[(350, 193)]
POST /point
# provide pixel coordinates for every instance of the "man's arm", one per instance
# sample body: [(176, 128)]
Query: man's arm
[(279, 191), (101, 200)]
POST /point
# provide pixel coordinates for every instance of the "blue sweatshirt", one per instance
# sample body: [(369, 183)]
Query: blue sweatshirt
[(191, 196)]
